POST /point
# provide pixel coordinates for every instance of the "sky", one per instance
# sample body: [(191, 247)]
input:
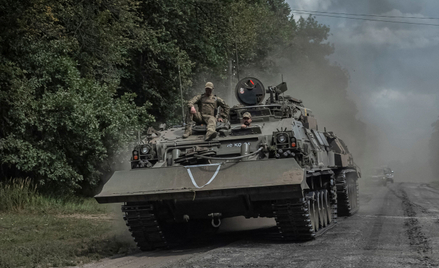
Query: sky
[(393, 68)]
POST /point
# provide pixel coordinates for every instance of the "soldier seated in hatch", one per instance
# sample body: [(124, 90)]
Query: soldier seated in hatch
[(247, 119), (207, 105)]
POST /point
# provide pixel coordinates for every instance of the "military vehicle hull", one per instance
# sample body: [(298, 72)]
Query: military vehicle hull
[(163, 204), (282, 167), (256, 179)]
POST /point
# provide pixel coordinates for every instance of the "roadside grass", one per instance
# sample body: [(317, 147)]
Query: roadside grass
[(22, 195), (41, 231)]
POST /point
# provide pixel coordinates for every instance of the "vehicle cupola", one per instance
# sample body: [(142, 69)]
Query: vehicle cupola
[(250, 91)]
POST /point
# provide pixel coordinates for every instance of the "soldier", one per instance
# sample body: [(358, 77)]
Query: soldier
[(207, 104), (247, 119)]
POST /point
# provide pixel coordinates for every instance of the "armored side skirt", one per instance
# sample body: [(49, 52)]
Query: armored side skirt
[(261, 180)]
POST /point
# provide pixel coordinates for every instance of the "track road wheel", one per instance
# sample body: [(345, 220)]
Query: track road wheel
[(324, 209), (316, 212), (313, 215), (329, 210), (319, 208)]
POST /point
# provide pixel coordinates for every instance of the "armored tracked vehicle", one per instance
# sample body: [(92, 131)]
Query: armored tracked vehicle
[(281, 166)]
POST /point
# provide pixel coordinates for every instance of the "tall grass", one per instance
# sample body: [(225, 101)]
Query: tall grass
[(18, 195), (36, 229)]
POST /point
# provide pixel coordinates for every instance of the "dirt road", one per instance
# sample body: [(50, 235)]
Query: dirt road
[(397, 226)]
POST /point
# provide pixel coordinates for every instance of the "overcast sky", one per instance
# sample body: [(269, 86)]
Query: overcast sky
[(394, 67)]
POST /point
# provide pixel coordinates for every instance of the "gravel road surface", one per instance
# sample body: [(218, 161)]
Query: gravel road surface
[(396, 226)]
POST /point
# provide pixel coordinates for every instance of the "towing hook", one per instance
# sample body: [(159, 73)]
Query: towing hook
[(216, 216)]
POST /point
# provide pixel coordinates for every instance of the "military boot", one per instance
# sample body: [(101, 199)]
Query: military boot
[(187, 131), (210, 135)]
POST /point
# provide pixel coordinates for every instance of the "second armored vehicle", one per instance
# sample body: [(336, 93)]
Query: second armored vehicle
[(281, 166)]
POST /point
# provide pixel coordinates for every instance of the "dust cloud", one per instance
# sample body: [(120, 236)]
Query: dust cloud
[(120, 230), (385, 119), (393, 77)]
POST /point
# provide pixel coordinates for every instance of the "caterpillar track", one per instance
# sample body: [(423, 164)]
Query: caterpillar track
[(293, 220), (144, 226), (306, 218), (347, 195), (298, 219)]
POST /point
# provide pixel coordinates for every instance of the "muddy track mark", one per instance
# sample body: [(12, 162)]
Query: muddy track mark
[(417, 238), (373, 238), (413, 205)]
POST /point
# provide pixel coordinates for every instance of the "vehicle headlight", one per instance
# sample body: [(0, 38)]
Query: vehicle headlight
[(145, 150), (282, 138)]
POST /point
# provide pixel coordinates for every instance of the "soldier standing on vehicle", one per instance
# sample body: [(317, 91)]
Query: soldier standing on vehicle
[(247, 119), (207, 104)]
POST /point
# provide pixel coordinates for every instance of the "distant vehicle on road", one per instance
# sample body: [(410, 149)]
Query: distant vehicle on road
[(383, 175)]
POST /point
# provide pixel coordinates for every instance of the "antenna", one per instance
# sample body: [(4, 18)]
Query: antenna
[(181, 94), (283, 93), (236, 51), (237, 60)]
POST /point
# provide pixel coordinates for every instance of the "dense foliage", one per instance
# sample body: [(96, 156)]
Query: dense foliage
[(60, 66), (75, 76)]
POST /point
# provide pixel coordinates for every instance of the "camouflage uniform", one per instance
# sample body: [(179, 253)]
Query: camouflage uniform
[(207, 105), (247, 114)]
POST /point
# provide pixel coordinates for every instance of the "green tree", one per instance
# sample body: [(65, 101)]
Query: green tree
[(75, 75), (201, 37), (60, 118)]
